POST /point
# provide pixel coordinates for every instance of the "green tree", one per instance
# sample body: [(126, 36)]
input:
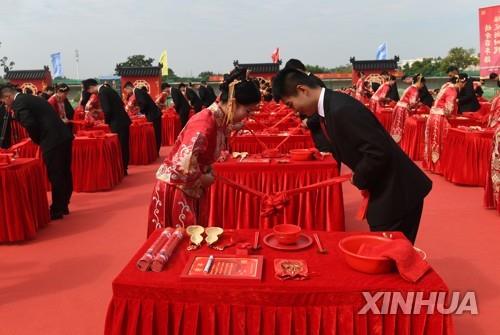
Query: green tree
[(459, 57), (5, 63), (135, 60), (323, 69), (429, 67), (204, 75)]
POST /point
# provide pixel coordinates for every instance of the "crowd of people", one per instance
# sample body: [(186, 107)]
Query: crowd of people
[(341, 122)]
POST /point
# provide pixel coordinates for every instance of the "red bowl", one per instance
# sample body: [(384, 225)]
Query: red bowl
[(286, 233), (301, 154), (350, 246), (271, 153)]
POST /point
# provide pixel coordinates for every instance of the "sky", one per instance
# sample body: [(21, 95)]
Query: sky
[(211, 34)]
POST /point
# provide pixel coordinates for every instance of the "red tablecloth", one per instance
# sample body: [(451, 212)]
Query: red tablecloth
[(143, 149), (465, 158), (384, 115), (170, 128), (413, 141), (23, 200), (327, 303), (248, 143), (82, 125), (96, 163), (322, 209)]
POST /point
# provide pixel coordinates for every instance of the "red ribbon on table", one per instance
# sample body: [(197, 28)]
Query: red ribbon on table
[(273, 204)]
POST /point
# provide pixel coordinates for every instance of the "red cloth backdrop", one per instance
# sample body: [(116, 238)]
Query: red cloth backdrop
[(248, 143), (142, 141), (326, 303), (96, 163), (322, 209), (171, 127), (413, 141), (384, 115), (466, 156), (23, 200)]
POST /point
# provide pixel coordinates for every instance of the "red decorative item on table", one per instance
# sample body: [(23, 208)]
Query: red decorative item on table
[(301, 154), (294, 269), (161, 259), (145, 262), (287, 233)]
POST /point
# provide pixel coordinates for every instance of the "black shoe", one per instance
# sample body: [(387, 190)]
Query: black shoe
[(66, 211), (56, 216)]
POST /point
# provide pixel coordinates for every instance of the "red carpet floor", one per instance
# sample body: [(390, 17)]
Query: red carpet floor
[(60, 283)]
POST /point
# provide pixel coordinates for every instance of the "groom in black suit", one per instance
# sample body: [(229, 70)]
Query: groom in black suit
[(397, 187), (46, 129), (114, 114)]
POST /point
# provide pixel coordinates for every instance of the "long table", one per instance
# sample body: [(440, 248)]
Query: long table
[(248, 143), (326, 303)]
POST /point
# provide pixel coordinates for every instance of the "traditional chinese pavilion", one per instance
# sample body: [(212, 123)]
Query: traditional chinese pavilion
[(373, 67), (35, 80), (144, 76), (264, 70)]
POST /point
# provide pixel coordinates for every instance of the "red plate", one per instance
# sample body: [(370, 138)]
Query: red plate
[(303, 242)]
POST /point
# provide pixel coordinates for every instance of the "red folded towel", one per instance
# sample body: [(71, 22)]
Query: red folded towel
[(410, 264)]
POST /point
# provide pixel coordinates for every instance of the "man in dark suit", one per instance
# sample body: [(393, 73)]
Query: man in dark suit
[(207, 94), (148, 108), (46, 129), (5, 127), (114, 114), (467, 100), (193, 98), (181, 104), (397, 187)]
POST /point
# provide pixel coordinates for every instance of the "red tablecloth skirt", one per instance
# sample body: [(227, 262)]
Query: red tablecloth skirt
[(18, 132), (413, 141), (96, 163), (321, 209), (384, 115), (466, 156), (170, 128), (327, 303), (143, 149), (23, 200), (248, 143), (81, 125)]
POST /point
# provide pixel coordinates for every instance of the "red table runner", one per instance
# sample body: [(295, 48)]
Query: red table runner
[(142, 144), (96, 163), (248, 143), (23, 200), (322, 209), (326, 303), (170, 128), (413, 141), (465, 156)]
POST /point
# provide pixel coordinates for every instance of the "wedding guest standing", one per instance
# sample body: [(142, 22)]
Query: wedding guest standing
[(59, 101), (467, 99), (161, 99)]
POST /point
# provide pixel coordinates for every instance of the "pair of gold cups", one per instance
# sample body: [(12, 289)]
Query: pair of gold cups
[(195, 233)]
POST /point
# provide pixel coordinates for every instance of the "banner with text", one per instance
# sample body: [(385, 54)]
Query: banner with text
[(489, 40)]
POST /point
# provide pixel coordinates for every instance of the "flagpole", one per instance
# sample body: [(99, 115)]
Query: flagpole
[(77, 59)]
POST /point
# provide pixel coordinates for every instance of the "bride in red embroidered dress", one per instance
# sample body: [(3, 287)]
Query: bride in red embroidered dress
[(187, 172), (405, 107), (437, 125)]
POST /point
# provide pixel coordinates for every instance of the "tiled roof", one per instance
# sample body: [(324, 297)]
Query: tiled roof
[(26, 74), (260, 67), (143, 71), (367, 65)]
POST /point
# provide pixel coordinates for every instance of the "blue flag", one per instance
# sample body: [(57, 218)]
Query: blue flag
[(56, 65), (382, 51)]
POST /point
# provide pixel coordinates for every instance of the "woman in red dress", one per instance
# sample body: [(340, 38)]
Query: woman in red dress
[(58, 102), (437, 125), (380, 95), (187, 171), (406, 106), (93, 111)]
